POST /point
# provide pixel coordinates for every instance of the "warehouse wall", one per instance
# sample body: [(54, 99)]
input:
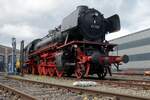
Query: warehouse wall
[(137, 46), (5, 56)]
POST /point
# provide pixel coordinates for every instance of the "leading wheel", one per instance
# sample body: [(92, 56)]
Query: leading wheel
[(102, 73), (69, 74), (70, 71), (79, 70)]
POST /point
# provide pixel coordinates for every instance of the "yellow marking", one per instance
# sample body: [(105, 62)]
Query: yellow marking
[(85, 98), (95, 98), (17, 63)]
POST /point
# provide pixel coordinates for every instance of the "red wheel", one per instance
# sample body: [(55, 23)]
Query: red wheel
[(24, 70), (40, 70), (79, 71), (44, 70), (59, 73), (27, 70), (51, 71), (87, 70), (33, 70)]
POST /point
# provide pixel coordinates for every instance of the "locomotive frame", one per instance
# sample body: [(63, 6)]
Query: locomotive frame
[(49, 67)]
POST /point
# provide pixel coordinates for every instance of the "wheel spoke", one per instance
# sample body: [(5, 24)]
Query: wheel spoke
[(51, 71), (39, 70), (59, 73), (44, 70), (33, 70), (79, 72)]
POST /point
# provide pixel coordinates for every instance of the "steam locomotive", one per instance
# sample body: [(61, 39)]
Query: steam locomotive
[(76, 47)]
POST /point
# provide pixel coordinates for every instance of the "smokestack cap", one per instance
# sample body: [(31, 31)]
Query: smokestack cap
[(82, 7)]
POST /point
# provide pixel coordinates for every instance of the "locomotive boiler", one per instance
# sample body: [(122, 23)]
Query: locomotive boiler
[(76, 47)]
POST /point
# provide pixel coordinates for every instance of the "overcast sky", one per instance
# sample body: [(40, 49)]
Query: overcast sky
[(31, 19)]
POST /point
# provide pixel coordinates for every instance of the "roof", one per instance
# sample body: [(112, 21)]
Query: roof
[(131, 34), (4, 46), (8, 47)]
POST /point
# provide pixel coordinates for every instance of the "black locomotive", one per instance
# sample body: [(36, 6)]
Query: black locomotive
[(77, 46)]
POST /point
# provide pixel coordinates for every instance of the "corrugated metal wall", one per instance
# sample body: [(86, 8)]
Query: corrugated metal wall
[(137, 46), (2, 63), (5, 57)]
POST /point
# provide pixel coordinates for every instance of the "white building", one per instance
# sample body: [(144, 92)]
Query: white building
[(5, 56), (137, 47)]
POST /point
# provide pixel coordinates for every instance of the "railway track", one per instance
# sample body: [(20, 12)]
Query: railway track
[(138, 84), (30, 90), (8, 92), (92, 93), (128, 83)]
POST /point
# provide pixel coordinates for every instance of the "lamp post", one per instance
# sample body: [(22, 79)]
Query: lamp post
[(13, 55), (21, 56)]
